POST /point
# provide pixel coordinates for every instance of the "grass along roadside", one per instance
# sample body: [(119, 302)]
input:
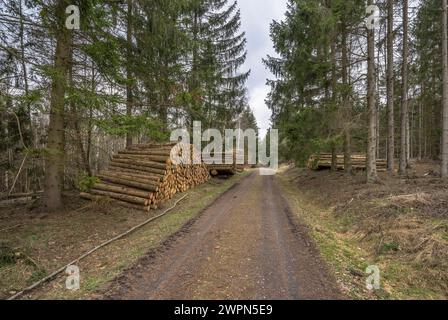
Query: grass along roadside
[(337, 250), (53, 241), (347, 246)]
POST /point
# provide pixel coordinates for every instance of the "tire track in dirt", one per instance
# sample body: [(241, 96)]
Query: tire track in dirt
[(246, 245)]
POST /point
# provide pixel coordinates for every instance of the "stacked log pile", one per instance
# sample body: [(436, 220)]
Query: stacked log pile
[(143, 176), (229, 163), (323, 161)]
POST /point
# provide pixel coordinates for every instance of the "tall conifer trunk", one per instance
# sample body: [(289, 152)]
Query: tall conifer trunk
[(54, 162), (404, 94), (373, 112), (444, 169), (390, 87)]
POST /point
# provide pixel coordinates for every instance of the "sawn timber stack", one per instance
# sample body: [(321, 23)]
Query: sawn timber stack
[(143, 176), (324, 161), (229, 163)]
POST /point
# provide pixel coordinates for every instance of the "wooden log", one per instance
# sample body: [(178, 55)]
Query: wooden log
[(129, 183), (220, 167), (123, 190), (144, 168), (132, 174), (149, 164), (89, 196), (147, 175), (121, 197), (92, 197), (21, 195), (166, 153), (153, 145), (142, 181), (159, 172), (324, 161), (144, 158)]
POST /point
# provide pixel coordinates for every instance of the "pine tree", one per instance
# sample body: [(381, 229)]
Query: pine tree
[(390, 87), (133, 71), (444, 167), (54, 171), (371, 106), (218, 53), (404, 94)]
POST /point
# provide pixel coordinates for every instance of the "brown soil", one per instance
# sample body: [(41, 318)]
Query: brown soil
[(246, 245)]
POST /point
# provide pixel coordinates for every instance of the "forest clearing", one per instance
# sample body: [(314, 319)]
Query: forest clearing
[(224, 150)]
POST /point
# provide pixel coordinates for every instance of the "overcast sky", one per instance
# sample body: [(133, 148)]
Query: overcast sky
[(256, 16)]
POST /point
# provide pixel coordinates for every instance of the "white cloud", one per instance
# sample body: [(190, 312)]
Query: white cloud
[(261, 111), (256, 16)]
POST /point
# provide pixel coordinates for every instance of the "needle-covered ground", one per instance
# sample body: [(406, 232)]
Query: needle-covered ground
[(400, 225)]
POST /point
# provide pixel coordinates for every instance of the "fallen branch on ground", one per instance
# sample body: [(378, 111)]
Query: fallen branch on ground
[(10, 228), (62, 269)]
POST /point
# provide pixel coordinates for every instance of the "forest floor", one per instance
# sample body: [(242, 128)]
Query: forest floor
[(33, 244), (399, 225)]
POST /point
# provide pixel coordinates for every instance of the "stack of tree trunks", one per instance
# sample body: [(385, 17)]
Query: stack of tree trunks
[(359, 161), (143, 176), (229, 163)]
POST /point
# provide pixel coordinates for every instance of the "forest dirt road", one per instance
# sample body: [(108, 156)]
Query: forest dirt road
[(244, 246)]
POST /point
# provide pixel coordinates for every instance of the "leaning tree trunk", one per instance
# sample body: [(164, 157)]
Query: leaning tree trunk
[(404, 95), (444, 169), (390, 87), (371, 149), (54, 161)]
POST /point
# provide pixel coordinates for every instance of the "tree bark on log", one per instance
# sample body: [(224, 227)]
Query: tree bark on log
[(147, 175), (164, 159), (130, 176), (159, 172), (129, 183), (92, 197), (121, 190), (166, 153), (122, 197), (137, 162)]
